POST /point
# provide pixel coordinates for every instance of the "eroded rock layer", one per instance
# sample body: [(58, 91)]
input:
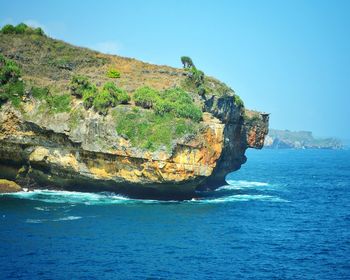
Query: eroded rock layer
[(46, 151)]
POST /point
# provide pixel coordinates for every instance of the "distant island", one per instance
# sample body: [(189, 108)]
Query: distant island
[(286, 139)]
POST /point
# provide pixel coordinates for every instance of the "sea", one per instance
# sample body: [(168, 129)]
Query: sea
[(284, 215)]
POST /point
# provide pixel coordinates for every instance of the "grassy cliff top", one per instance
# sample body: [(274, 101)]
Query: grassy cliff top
[(46, 61)]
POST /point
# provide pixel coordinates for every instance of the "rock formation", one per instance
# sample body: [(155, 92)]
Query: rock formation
[(7, 186), (84, 151)]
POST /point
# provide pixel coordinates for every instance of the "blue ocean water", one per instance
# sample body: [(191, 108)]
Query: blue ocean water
[(284, 215)]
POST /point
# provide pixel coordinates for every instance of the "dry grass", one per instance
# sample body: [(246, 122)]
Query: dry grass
[(47, 62)]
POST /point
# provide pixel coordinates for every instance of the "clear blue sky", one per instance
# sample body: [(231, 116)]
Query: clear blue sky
[(289, 58)]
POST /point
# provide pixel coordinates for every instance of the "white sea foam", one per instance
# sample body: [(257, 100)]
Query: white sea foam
[(69, 218), (241, 197), (241, 184), (39, 221), (73, 198), (60, 197), (35, 221)]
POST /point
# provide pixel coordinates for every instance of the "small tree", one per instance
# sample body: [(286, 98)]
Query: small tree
[(187, 62)]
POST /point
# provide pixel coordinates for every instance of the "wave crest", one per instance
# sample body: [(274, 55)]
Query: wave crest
[(241, 184), (73, 198)]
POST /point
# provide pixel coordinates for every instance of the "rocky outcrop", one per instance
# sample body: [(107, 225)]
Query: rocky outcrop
[(40, 146), (53, 151), (257, 128), (7, 186), (240, 133)]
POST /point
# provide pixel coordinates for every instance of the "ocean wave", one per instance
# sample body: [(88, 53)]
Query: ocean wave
[(42, 208), (75, 198), (35, 221), (39, 221), (69, 218), (241, 197), (241, 184), (71, 197)]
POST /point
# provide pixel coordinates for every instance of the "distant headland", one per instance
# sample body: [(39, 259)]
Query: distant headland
[(286, 139)]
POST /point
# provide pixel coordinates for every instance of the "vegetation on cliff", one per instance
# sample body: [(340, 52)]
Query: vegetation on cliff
[(173, 101), (21, 29), (153, 105), (149, 130), (11, 84)]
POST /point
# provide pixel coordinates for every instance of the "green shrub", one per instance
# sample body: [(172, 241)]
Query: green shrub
[(176, 95), (123, 97), (89, 96), (119, 95), (8, 29), (21, 29), (189, 111), (55, 103), (197, 76), (11, 87), (79, 84), (113, 73), (39, 31), (238, 101), (111, 87), (9, 70), (102, 101), (146, 97), (12, 91), (180, 103), (162, 107)]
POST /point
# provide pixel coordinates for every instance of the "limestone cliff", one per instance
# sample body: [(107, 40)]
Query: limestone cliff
[(81, 149)]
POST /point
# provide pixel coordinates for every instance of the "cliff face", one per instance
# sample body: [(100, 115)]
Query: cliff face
[(45, 152), (81, 149)]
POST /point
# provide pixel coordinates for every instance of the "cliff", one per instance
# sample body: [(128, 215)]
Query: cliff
[(285, 139), (50, 136)]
